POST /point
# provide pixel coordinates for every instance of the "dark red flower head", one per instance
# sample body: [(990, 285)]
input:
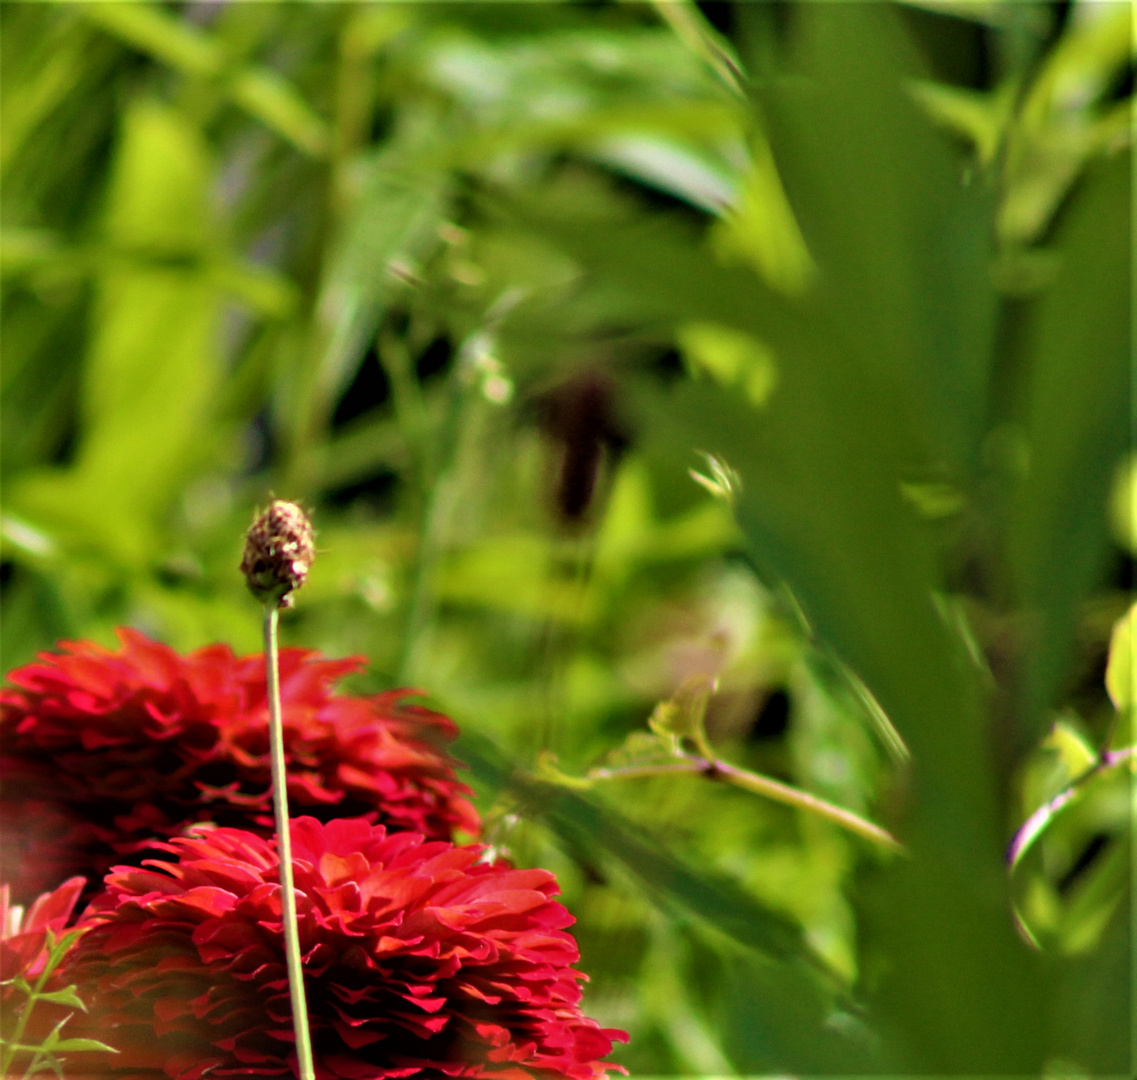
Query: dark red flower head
[(419, 961), (101, 751)]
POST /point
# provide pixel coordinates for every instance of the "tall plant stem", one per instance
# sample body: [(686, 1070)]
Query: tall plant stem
[(284, 850)]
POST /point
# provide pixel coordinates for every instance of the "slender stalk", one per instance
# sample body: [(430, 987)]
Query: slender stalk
[(284, 849), (9, 1050), (715, 769), (16, 1045)]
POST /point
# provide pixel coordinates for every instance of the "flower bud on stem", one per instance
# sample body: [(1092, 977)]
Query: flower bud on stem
[(278, 552)]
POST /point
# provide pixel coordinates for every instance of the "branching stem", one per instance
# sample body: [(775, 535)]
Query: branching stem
[(284, 849), (716, 769)]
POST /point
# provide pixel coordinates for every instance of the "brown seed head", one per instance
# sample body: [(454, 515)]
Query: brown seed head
[(279, 549)]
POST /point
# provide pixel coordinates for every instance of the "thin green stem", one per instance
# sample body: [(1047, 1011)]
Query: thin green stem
[(284, 849), (715, 769), (15, 1046)]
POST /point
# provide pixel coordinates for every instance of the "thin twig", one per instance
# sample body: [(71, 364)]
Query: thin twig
[(284, 850), (715, 769)]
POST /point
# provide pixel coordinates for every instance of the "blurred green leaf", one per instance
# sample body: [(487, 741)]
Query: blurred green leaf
[(187, 48), (395, 204), (1123, 504), (1074, 418), (1121, 668), (980, 118), (731, 358), (149, 377)]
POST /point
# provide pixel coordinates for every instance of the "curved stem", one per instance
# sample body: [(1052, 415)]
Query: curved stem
[(1032, 828), (284, 850), (714, 769)]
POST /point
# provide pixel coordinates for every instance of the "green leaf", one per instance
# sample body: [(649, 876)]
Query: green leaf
[(396, 203), (731, 358), (184, 46), (67, 996), (1074, 752), (980, 118), (1074, 426), (1121, 668), (150, 373), (681, 716), (65, 1046), (761, 228), (883, 370), (1123, 505)]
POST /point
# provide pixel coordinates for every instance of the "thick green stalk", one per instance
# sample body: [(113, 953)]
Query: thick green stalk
[(284, 849)]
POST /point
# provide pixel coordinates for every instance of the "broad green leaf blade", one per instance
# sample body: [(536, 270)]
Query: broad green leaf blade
[(882, 372), (1075, 411)]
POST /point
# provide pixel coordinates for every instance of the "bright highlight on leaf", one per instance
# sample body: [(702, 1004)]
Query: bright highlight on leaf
[(1121, 668), (731, 358)]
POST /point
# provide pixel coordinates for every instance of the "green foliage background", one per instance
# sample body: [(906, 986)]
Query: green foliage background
[(434, 268)]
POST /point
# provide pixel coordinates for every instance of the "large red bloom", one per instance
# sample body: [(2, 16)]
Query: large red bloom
[(102, 751), (419, 959)]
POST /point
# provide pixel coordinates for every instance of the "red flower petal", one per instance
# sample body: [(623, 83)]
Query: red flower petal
[(441, 965), (105, 750)]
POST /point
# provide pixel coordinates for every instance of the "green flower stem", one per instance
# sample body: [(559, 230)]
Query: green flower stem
[(8, 1051), (16, 1045), (284, 849), (714, 769)]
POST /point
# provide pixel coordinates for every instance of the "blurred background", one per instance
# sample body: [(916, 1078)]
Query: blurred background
[(611, 344)]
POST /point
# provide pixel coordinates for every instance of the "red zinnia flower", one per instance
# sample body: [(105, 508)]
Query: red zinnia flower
[(104, 750), (419, 961)]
